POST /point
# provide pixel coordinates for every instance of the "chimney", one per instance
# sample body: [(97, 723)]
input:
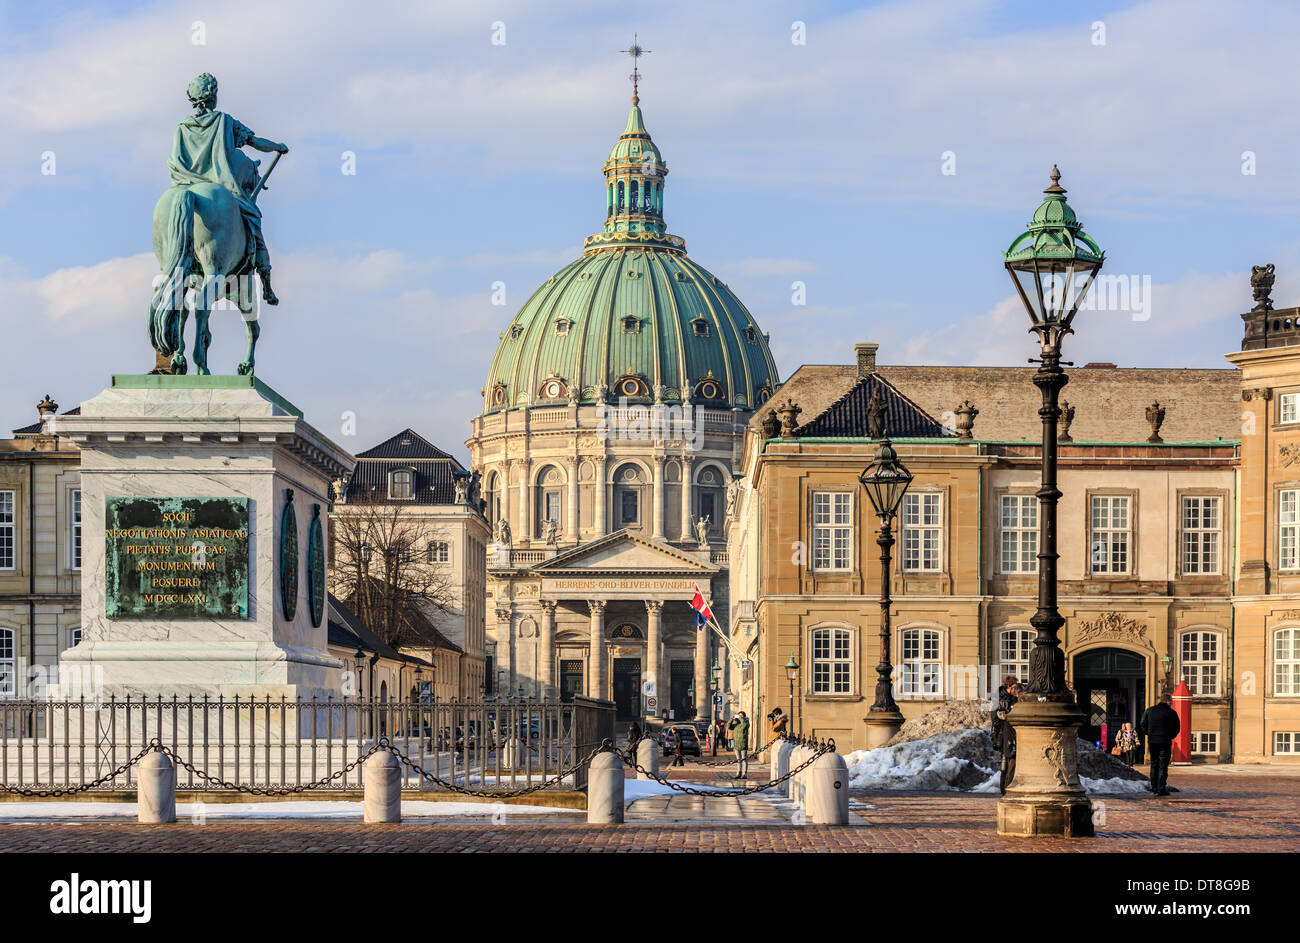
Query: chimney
[(866, 358)]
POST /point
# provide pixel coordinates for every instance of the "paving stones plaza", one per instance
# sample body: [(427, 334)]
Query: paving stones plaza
[(389, 474)]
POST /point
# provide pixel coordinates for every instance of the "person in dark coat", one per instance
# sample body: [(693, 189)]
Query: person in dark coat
[(633, 735), (679, 758), (1161, 725), (1004, 735)]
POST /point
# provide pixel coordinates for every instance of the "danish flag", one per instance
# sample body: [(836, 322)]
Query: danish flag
[(701, 607)]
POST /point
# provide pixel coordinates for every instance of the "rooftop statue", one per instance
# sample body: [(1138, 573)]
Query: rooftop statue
[(207, 231)]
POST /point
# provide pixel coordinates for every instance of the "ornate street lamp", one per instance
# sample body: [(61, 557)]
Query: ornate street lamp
[(1052, 264), (715, 672), (886, 480), (792, 675)]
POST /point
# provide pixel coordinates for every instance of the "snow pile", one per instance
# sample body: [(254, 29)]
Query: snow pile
[(951, 747), (949, 717)]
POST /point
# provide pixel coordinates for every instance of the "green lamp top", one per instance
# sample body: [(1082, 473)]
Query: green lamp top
[(1055, 233)]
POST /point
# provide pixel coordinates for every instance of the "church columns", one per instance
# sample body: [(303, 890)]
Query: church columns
[(546, 651), (654, 648), (506, 647), (688, 461), (573, 500), (658, 515), (602, 489), (596, 685), (525, 531)]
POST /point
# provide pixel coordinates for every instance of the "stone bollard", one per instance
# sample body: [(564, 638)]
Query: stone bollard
[(797, 758), (156, 791), (605, 789), (511, 753), (828, 791), (781, 764), (383, 788), (647, 756)]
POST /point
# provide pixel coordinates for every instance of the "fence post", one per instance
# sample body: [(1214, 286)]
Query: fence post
[(383, 789), (605, 789), (828, 791), (156, 789), (647, 756)]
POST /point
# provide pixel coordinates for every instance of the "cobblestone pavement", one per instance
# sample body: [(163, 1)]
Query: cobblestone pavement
[(1214, 812)]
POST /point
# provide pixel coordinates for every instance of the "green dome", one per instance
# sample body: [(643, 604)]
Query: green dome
[(633, 318)]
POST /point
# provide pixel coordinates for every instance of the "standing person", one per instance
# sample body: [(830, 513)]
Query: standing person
[(1004, 735), (779, 723), (717, 733), (1160, 724), (1127, 743), (633, 736), (678, 758), (740, 740)]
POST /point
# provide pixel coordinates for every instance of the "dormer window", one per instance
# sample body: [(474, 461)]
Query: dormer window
[(751, 334), (515, 331), (562, 326), (554, 388), (708, 389), (700, 326), (499, 395), (401, 485), (631, 386), (631, 324)]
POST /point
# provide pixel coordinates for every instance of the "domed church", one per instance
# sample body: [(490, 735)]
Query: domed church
[(609, 437)]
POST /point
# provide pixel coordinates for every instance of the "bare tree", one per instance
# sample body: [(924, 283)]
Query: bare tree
[(384, 564)]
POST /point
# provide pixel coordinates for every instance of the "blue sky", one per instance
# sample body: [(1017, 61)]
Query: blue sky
[(479, 162)]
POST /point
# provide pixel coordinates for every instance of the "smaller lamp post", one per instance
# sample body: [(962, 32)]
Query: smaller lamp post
[(715, 672), (886, 481), (792, 675)]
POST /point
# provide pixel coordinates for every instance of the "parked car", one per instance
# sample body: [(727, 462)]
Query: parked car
[(687, 734)]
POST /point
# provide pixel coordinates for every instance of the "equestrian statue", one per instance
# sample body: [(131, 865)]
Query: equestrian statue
[(207, 231)]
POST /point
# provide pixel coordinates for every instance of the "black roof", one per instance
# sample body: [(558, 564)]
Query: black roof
[(407, 444), (434, 470), (847, 417), (35, 428), (346, 629)]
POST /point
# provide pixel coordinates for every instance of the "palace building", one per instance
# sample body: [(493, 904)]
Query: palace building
[(1177, 537), (612, 422)]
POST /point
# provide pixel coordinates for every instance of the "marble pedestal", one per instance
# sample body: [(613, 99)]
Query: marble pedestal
[(205, 437), (1045, 796)]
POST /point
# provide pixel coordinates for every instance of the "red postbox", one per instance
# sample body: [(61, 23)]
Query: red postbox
[(1182, 748)]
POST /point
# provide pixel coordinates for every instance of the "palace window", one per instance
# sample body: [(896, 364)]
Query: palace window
[(921, 669), (923, 532), (7, 675), (1205, 742), (74, 517), (1286, 742), (832, 530), (438, 551), (1288, 530), (1110, 533), (1019, 533), (1288, 407), (1200, 663), (832, 661), (74, 637), (1201, 529), (401, 485), (7, 530), (1014, 646), (1286, 662)]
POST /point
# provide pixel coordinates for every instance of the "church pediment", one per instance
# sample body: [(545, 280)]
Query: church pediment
[(624, 552)]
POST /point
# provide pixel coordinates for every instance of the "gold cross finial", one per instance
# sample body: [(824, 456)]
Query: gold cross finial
[(636, 52)]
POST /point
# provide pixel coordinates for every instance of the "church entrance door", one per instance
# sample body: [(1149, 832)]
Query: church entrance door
[(627, 689)]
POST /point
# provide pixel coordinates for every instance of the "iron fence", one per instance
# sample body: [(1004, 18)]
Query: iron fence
[(278, 743)]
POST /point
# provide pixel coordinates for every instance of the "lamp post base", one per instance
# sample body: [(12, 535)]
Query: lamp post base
[(1045, 797), (881, 727)]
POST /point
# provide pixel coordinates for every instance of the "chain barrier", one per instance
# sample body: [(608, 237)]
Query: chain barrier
[(823, 749), (181, 763), (73, 790), (493, 793)]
